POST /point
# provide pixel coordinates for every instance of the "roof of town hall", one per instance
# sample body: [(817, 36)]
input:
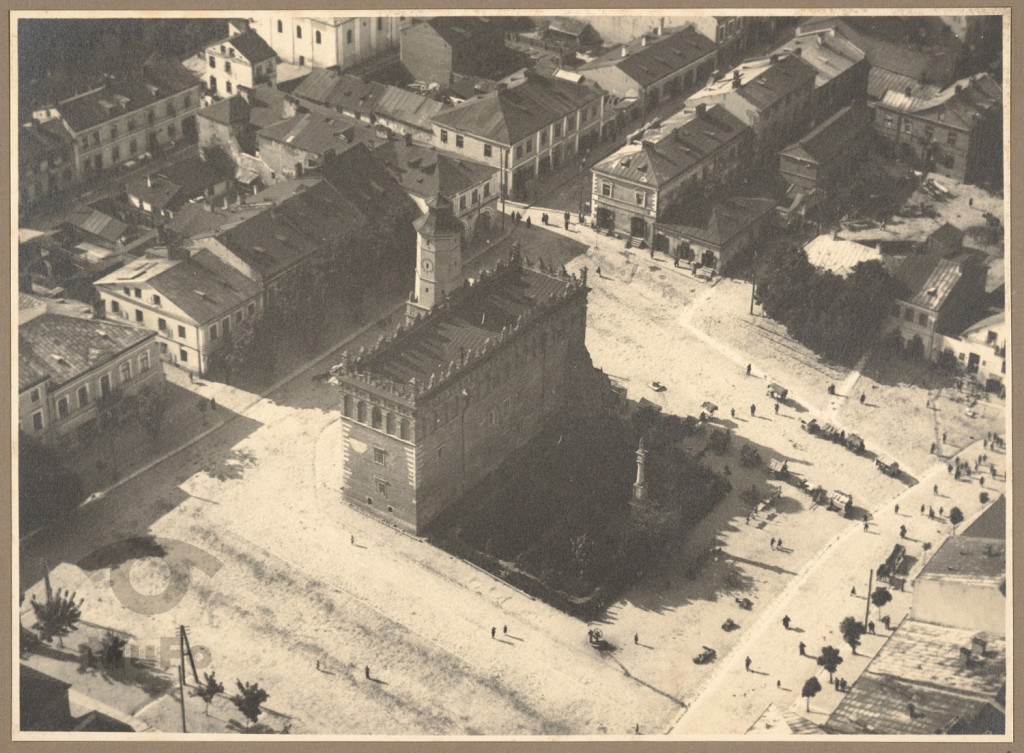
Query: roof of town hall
[(507, 116), (681, 142), (63, 348), (658, 58), (474, 318)]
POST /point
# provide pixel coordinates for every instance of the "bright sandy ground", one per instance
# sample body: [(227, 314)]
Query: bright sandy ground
[(261, 495)]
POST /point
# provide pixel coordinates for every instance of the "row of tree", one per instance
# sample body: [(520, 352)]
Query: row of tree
[(835, 316)]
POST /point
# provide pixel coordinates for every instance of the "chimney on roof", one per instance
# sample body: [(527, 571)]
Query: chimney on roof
[(701, 109), (408, 139), (288, 108), (624, 51), (737, 79), (643, 41), (661, 26), (965, 658), (149, 180), (978, 645), (799, 52), (908, 90)]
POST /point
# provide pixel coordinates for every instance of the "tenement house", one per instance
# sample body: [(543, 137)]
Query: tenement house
[(525, 131), (693, 152), (477, 370), (841, 70), (239, 64), (129, 115)]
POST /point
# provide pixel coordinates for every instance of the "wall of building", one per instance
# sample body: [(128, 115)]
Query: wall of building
[(959, 604), (426, 55), (229, 73), (294, 38), (27, 407), (991, 360), (283, 158)]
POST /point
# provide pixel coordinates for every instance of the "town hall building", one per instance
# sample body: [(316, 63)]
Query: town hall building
[(475, 372)]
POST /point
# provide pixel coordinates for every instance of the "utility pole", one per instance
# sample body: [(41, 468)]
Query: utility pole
[(504, 180), (583, 164), (181, 692), (867, 607)]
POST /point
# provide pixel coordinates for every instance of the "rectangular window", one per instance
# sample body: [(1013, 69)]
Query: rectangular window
[(558, 130), (444, 136), (181, 331), (138, 292), (887, 120), (487, 150), (34, 396), (529, 146), (83, 396), (252, 309), (213, 62), (115, 307), (238, 317), (156, 300), (298, 32), (907, 126), (144, 362), (519, 151), (113, 131), (641, 199), (62, 408), (227, 66), (317, 37), (126, 371), (543, 137), (183, 355), (951, 138), (929, 133), (139, 316), (459, 141), (104, 385), (606, 189), (133, 146), (115, 154), (37, 420), (922, 319), (380, 24), (476, 197), (227, 88), (378, 456), (213, 331), (462, 202), (382, 487), (487, 190), (348, 36), (908, 315)]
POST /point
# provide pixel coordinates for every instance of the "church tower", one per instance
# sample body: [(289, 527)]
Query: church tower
[(438, 257)]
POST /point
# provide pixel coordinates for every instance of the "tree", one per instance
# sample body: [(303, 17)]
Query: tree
[(880, 597), (956, 517), (811, 688), (151, 407), (209, 689), (249, 700), (57, 616), (113, 650), (830, 660), (852, 630)]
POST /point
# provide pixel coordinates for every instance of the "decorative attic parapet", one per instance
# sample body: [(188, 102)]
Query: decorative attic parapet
[(360, 367)]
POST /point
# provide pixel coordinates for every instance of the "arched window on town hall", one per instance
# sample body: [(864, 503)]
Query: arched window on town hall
[(391, 423), (404, 428), (361, 416), (378, 418), (348, 406)]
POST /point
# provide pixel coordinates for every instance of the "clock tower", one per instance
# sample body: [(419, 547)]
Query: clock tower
[(438, 257)]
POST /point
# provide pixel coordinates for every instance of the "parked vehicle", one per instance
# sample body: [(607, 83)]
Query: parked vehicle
[(855, 443), (777, 392), (888, 466), (658, 387), (706, 656), (729, 625), (745, 603)]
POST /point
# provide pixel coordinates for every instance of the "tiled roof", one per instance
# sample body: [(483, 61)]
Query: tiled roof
[(155, 81), (961, 104), (449, 335), (184, 179), (408, 107), (252, 47), (573, 27), (830, 137), (838, 255), (659, 58), (507, 116), (777, 81), (315, 134), (727, 219), (881, 81), (968, 558), (681, 142), (426, 172), (991, 524), (439, 219), (340, 91), (65, 347), (828, 52), (920, 664), (929, 278), (228, 111), (204, 287)]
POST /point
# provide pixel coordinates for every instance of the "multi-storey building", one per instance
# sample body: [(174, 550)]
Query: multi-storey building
[(45, 161), (771, 95), (694, 151), (439, 50), (525, 131), (470, 378), (651, 70), (239, 64), (841, 70), (127, 116), (327, 41), (67, 364), (958, 132)]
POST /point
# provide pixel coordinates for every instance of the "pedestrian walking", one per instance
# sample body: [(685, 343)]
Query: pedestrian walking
[(949, 467), (992, 468), (785, 622), (504, 629), (638, 728), (935, 490), (943, 437), (566, 217), (896, 509), (748, 369), (636, 639), (903, 532), (865, 525), (871, 627), (931, 513), (803, 648), (772, 544), (753, 409), (527, 223), (778, 684), (352, 539), (778, 544), (981, 480), (747, 663), (191, 378), (853, 591), (599, 272), (885, 621), (931, 450), (317, 665), (732, 412), (776, 408), (862, 398), (213, 403), (941, 510), (544, 218), (367, 672), (494, 630)]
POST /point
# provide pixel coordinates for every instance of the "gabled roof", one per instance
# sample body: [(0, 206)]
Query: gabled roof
[(727, 219), (660, 57), (183, 180), (507, 116), (681, 142), (97, 223), (777, 81), (827, 51), (838, 255), (65, 347), (367, 98), (572, 27), (929, 278), (204, 287), (425, 172), (831, 137), (881, 81), (314, 133), (961, 104), (250, 45), (460, 30)]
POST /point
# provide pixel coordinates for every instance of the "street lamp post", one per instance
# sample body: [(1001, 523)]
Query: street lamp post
[(583, 164)]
